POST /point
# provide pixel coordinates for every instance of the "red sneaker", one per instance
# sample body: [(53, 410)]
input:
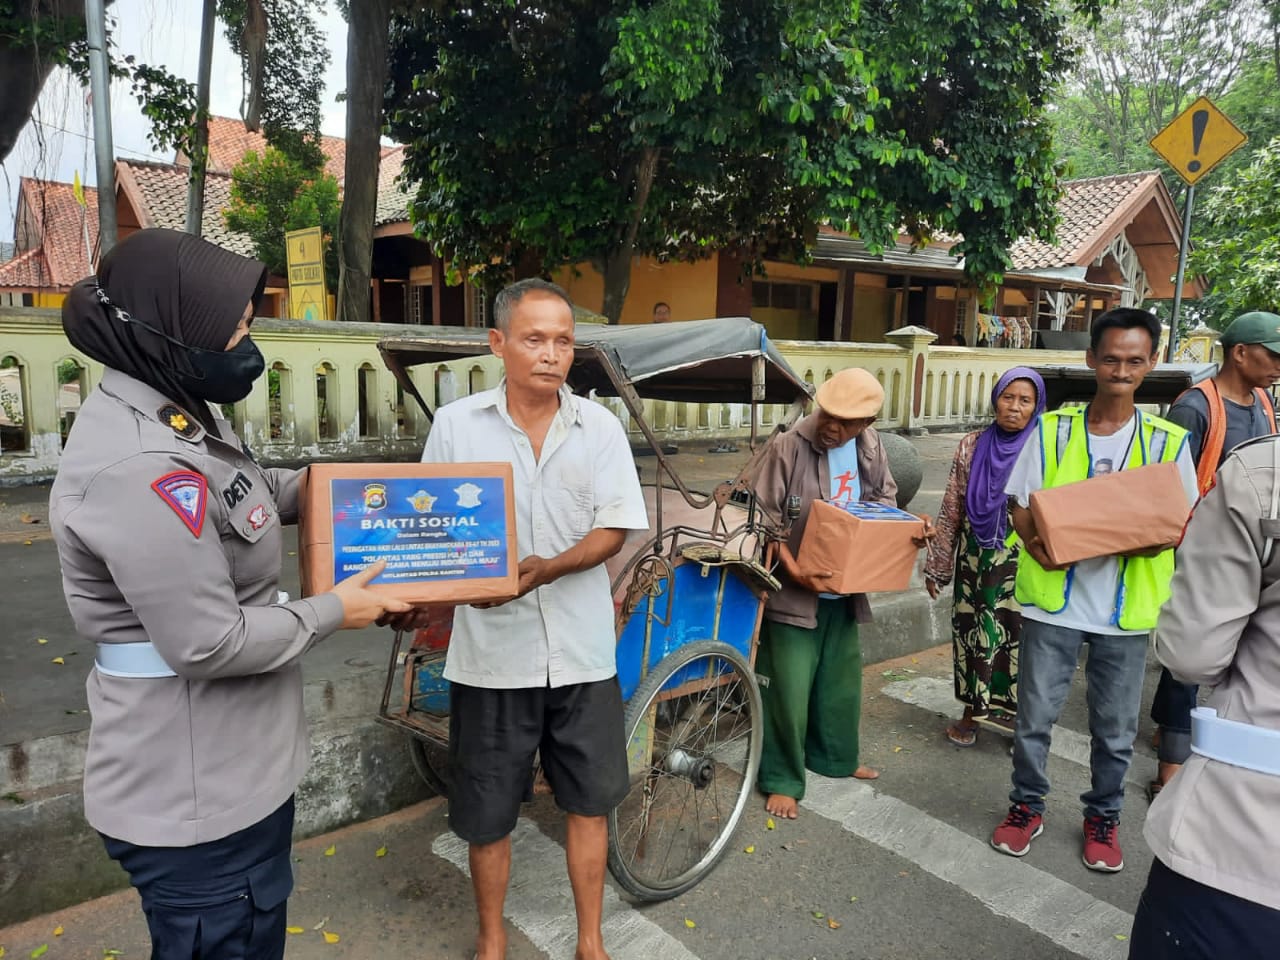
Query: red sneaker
[(1019, 828), (1102, 845)]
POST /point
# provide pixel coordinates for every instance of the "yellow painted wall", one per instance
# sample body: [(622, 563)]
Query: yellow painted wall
[(690, 288), (52, 300)]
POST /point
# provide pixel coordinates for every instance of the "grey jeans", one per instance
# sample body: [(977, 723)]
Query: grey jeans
[(1113, 671)]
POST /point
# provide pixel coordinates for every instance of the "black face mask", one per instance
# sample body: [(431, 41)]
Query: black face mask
[(224, 376)]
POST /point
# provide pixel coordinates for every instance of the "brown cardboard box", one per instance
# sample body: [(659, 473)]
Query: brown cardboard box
[(1118, 513), (869, 549), (448, 531)]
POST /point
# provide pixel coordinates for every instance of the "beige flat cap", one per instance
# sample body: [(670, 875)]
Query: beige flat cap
[(851, 395)]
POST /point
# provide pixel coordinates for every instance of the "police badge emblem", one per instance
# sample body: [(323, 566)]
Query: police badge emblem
[(422, 502), (375, 496)]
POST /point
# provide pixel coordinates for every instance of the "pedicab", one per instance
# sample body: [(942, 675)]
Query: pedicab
[(689, 597)]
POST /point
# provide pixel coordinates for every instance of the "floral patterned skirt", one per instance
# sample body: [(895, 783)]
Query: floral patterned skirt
[(986, 623)]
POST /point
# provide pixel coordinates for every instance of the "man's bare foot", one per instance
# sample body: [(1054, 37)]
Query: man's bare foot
[(866, 773), (494, 948), (592, 952), (780, 806)]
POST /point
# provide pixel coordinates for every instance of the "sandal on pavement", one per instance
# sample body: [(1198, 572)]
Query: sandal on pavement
[(961, 736)]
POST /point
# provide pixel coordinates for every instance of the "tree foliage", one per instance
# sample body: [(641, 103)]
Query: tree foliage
[(1142, 64), (1240, 248), (551, 133), (283, 58), (272, 193)]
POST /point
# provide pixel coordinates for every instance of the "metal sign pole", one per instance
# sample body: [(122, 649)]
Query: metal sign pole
[(1182, 268), (95, 16)]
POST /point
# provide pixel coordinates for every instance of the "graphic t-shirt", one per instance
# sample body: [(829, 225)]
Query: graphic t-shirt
[(1091, 600), (846, 485)]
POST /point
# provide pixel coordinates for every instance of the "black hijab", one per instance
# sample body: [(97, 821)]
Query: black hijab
[(188, 288)]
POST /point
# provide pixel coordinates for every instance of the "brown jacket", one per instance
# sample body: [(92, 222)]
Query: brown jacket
[(795, 466), (1217, 823)]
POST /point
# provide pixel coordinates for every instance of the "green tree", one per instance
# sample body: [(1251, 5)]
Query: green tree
[(272, 193), (1239, 252), (551, 133)]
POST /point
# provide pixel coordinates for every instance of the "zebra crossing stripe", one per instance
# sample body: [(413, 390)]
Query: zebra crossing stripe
[(1068, 916), (936, 694), (540, 901)]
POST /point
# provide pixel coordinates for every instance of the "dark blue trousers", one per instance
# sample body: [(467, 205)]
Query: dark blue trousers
[(1181, 919), (1171, 709), (221, 900)]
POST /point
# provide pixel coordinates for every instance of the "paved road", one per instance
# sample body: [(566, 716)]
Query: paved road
[(902, 867)]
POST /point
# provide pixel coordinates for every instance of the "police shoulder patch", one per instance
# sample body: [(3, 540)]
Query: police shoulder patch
[(177, 418), (187, 492)]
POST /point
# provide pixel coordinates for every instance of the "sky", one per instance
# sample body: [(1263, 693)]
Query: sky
[(57, 142)]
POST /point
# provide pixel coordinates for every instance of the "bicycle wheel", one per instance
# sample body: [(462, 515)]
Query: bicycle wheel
[(693, 761), (432, 763)]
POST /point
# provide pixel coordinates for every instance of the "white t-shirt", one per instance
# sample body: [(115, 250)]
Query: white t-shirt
[(1093, 584)]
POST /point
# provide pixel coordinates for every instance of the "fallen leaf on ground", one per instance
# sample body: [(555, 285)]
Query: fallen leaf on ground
[(897, 749), (294, 930), (1, 951), (833, 924), (320, 925), (293, 553), (689, 923), (769, 824), (330, 851), (42, 640), (750, 849), (26, 543), (39, 951), (112, 953), (1121, 936), (903, 873), (331, 937), (58, 931), (380, 852), (853, 899), (819, 915), (59, 661), (28, 518)]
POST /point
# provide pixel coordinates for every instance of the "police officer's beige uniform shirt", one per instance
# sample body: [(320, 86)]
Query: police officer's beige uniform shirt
[(1214, 822), (182, 760), (561, 633)]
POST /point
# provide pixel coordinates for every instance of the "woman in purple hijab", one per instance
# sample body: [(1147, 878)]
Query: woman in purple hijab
[(976, 545)]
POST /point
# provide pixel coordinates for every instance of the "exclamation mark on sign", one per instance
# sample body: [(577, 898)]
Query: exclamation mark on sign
[(1199, 120)]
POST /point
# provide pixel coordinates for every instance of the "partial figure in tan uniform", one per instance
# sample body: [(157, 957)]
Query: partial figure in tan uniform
[(169, 538), (1214, 887)]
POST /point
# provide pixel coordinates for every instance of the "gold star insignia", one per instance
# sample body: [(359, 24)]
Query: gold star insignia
[(178, 422)]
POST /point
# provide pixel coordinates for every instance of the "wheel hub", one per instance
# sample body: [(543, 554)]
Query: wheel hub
[(699, 771)]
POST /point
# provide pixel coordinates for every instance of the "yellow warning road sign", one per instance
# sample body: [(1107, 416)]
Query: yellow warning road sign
[(308, 296), (1197, 140)]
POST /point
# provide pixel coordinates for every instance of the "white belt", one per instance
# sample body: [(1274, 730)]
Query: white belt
[(1230, 741), (133, 661)]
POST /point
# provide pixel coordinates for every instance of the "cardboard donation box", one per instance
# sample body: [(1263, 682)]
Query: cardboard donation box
[(447, 531), (1125, 512), (867, 545)]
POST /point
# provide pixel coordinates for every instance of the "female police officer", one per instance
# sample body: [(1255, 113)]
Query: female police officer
[(169, 537)]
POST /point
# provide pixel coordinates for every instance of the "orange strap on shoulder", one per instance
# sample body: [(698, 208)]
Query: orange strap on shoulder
[(1215, 437)]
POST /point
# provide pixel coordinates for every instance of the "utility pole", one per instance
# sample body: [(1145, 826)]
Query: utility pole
[(199, 147), (95, 15)]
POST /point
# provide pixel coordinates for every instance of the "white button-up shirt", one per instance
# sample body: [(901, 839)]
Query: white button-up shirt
[(561, 633)]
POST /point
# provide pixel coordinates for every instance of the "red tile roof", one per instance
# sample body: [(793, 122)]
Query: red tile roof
[(1088, 208), (393, 196), (229, 141), (158, 193), (52, 227)]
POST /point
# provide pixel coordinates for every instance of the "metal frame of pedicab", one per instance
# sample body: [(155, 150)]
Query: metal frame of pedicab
[(668, 581)]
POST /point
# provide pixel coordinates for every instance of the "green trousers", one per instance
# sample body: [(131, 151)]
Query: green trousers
[(811, 684)]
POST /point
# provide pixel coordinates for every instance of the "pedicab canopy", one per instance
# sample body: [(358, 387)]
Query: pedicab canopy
[(1075, 383), (695, 361)]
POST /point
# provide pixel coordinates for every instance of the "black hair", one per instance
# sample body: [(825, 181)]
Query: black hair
[(1125, 318), (504, 304), (661, 303)]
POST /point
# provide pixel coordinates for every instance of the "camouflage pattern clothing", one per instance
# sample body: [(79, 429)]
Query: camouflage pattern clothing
[(986, 621)]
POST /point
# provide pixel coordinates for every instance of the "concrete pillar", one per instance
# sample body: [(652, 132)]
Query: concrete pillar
[(915, 341)]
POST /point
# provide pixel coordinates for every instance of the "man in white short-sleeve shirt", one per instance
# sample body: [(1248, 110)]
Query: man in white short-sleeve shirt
[(537, 674), (1108, 604)]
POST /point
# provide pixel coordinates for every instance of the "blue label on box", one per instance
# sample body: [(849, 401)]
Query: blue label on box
[(443, 529), (876, 511)]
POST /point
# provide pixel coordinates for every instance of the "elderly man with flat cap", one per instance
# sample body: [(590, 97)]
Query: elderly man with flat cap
[(810, 660)]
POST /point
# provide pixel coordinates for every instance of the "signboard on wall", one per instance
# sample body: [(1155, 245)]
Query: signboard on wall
[(308, 296)]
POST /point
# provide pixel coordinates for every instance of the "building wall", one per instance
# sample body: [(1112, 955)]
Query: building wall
[(690, 289)]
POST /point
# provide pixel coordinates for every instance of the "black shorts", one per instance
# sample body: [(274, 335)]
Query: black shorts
[(494, 735)]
